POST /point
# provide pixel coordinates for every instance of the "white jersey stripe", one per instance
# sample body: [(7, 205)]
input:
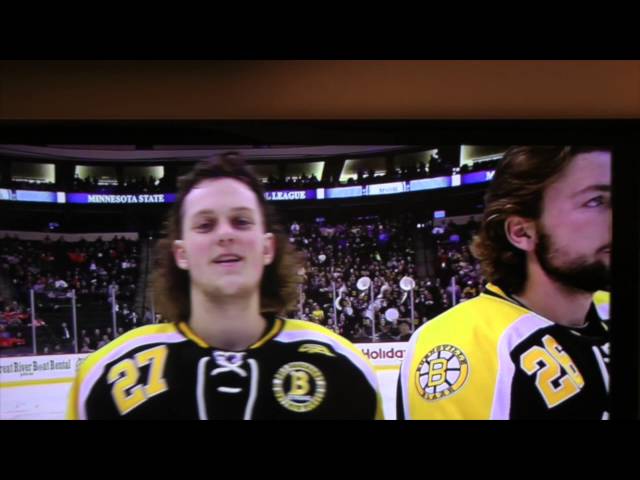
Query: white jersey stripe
[(512, 336)]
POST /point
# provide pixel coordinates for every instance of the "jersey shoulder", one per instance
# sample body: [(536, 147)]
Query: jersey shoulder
[(133, 339), (93, 368), (483, 317), (314, 335)]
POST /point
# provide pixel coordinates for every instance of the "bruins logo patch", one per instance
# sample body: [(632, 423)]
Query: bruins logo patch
[(441, 372), (299, 386)]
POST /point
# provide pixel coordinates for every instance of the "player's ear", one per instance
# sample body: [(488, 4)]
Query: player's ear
[(180, 254), (269, 248), (520, 232)]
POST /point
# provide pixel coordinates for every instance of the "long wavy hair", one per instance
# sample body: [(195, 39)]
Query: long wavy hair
[(172, 285)]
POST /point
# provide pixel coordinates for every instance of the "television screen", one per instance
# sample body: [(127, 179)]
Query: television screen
[(392, 231)]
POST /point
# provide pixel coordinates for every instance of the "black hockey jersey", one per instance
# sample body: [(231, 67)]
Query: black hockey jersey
[(297, 371)]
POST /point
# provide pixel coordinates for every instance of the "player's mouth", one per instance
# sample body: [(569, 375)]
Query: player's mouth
[(227, 259)]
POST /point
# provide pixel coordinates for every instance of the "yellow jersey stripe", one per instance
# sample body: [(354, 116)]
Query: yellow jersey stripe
[(24, 383)]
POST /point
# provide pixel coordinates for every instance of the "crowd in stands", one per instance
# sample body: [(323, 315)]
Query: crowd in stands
[(53, 269), (30, 185), (336, 255), (436, 168), (130, 185), (479, 166), (291, 182)]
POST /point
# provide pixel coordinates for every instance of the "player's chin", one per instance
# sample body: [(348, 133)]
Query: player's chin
[(233, 287)]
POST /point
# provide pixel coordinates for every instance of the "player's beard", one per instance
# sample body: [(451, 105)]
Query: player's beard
[(579, 273)]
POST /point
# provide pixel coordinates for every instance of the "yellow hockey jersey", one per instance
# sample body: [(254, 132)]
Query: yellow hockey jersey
[(492, 358)]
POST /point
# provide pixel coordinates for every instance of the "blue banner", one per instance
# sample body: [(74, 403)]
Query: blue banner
[(5, 194), (97, 198), (344, 192), (278, 195), (36, 196), (291, 195), (386, 188), (429, 184), (477, 177)]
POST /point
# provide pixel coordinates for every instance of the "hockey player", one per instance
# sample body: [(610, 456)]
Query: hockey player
[(226, 276), (535, 343)]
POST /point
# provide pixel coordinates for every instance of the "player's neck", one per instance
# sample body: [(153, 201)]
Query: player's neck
[(233, 324), (555, 302)]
